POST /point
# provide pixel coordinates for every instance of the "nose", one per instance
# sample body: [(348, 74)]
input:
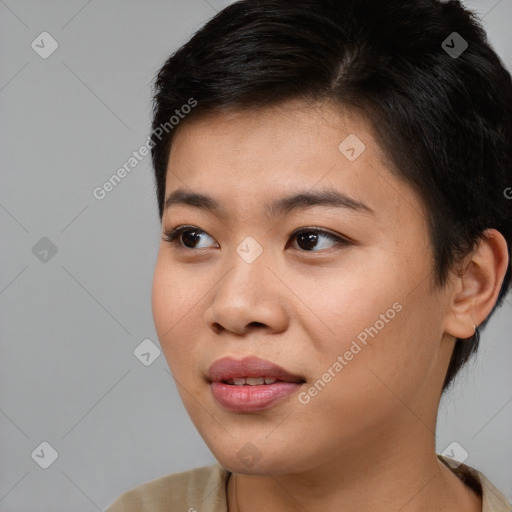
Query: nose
[(248, 297)]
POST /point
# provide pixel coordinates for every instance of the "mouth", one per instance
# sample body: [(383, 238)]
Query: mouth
[(257, 381), (250, 371), (251, 385)]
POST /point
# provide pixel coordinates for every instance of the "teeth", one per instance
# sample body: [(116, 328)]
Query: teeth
[(251, 381), (255, 381)]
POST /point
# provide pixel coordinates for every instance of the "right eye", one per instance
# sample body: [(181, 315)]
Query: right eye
[(185, 237)]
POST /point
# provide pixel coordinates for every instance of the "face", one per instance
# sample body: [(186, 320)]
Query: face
[(338, 293)]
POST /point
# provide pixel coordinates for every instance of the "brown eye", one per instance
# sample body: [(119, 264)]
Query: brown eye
[(309, 239), (186, 237)]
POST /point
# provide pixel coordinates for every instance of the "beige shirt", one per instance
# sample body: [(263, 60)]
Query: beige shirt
[(204, 490)]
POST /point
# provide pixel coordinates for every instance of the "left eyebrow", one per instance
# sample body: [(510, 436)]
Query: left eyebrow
[(307, 199), (279, 207)]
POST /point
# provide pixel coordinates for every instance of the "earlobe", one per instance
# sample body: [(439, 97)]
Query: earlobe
[(477, 285)]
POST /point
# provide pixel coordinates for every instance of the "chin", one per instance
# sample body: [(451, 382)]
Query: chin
[(248, 461)]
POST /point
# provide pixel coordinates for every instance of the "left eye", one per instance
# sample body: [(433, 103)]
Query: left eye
[(185, 237), (308, 238)]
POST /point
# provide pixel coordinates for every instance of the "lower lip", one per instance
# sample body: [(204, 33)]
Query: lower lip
[(251, 398)]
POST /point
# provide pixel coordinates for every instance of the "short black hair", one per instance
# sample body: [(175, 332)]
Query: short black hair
[(441, 112)]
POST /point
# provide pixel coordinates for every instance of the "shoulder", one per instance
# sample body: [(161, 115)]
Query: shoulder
[(201, 488), (493, 500)]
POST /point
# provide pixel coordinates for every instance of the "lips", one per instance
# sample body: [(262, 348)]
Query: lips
[(227, 369)]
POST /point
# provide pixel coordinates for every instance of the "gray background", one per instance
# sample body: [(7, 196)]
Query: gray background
[(70, 324)]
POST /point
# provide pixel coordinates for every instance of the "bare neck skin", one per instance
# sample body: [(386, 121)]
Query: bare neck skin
[(400, 483)]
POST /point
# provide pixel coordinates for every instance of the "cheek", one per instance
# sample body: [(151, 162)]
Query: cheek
[(386, 370), (164, 299), (176, 290), (370, 318), (174, 304), (393, 355), (339, 304)]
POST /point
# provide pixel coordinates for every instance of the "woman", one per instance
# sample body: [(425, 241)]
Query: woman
[(332, 182)]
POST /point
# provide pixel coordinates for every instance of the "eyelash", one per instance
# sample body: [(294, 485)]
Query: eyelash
[(173, 236)]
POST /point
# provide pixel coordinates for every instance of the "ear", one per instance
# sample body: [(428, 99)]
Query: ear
[(477, 286)]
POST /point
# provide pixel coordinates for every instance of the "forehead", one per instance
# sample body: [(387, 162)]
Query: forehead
[(290, 132), (243, 156)]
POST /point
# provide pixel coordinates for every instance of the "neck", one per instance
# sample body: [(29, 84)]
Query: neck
[(409, 480)]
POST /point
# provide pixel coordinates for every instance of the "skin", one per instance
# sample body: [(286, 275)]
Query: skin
[(367, 440)]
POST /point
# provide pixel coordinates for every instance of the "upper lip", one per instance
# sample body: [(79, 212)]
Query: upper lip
[(228, 368)]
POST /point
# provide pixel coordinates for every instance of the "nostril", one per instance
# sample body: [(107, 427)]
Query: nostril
[(257, 324)]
